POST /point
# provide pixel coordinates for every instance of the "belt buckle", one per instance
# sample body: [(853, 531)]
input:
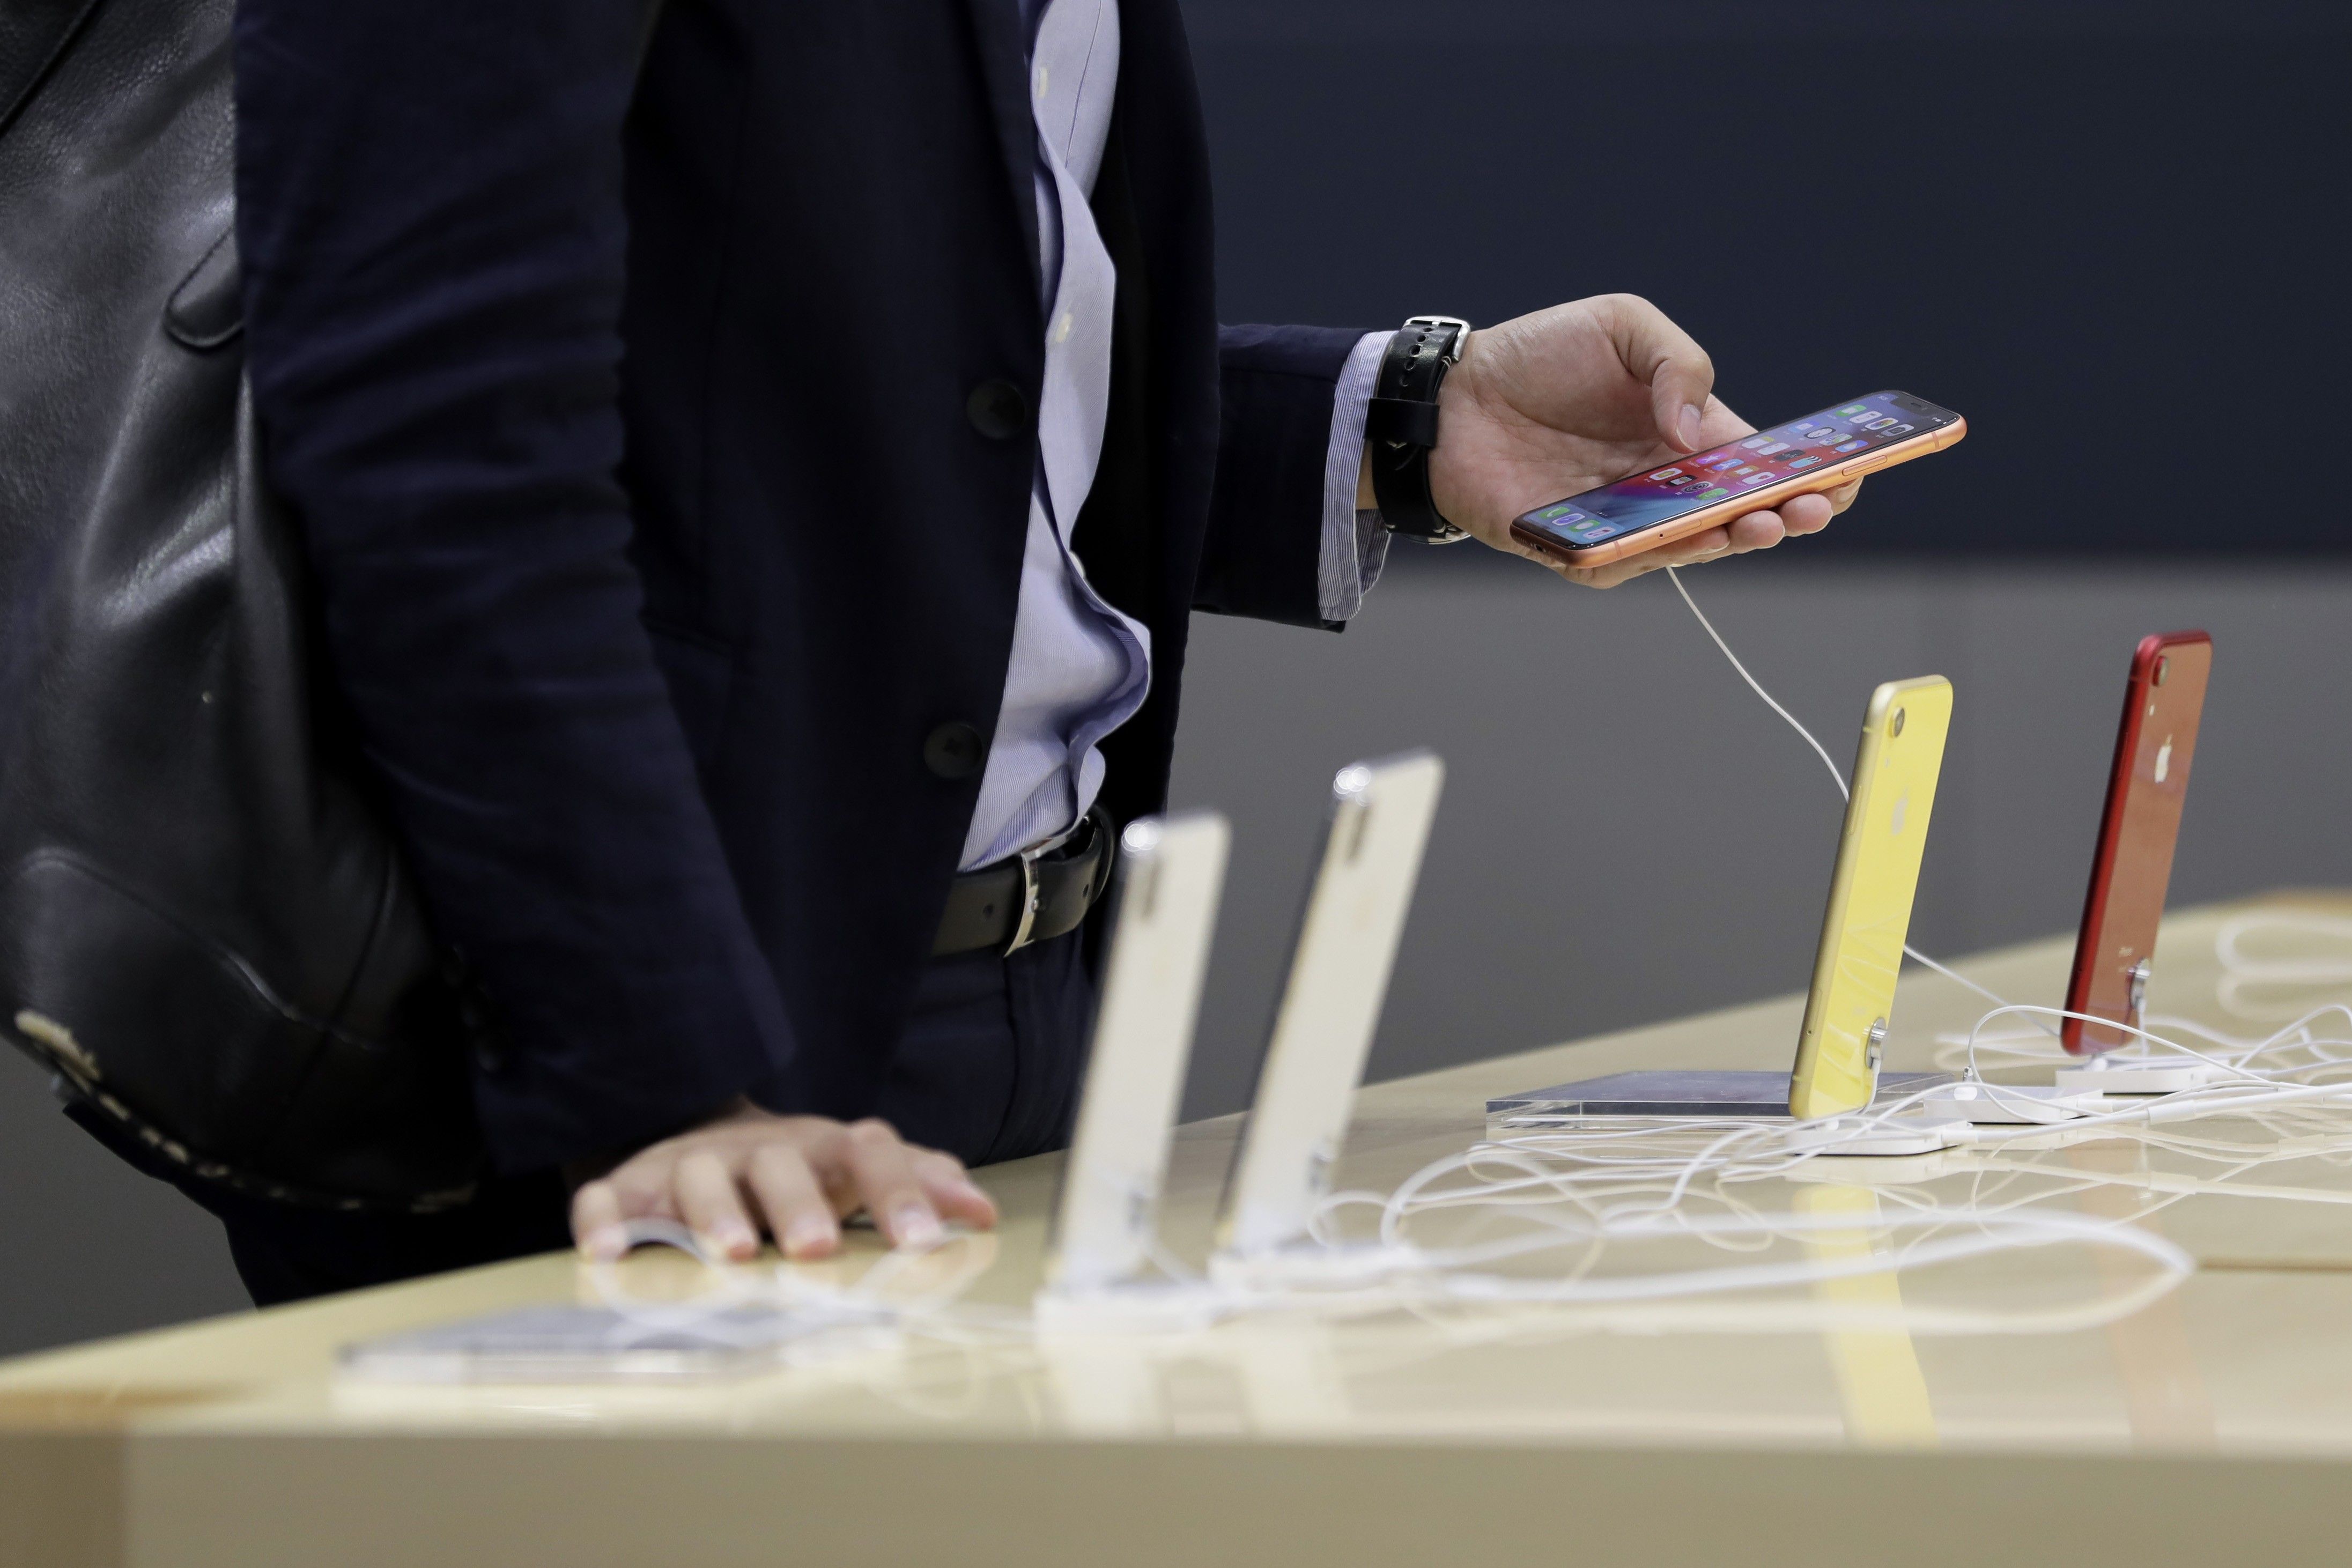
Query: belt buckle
[(1032, 896)]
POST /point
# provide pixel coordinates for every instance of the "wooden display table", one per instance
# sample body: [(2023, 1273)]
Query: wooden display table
[(2214, 1426)]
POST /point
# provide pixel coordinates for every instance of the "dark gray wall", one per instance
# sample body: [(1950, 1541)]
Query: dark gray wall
[(95, 1247), (1628, 834), (2106, 231)]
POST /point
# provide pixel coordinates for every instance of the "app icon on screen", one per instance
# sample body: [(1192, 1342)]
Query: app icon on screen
[(1555, 512), (1771, 446), (1849, 446), (1755, 479), (1902, 429), (1851, 409), (1666, 473), (1744, 468), (1880, 424), (1753, 442), (1802, 462), (1710, 495)]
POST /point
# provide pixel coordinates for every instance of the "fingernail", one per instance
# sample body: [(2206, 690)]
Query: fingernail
[(1688, 425), (733, 1238), (806, 1235), (914, 1225), (606, 1243)]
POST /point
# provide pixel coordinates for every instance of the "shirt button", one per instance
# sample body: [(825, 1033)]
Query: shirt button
[(997, 410), (954, 750)]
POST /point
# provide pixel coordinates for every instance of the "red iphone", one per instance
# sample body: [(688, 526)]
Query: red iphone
[(2146, 786)]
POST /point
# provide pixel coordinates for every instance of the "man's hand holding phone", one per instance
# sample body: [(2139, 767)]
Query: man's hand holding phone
[(1561, 401)]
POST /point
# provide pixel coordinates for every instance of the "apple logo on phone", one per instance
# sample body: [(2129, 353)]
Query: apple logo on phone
[(2164, 759), (1902, 806)]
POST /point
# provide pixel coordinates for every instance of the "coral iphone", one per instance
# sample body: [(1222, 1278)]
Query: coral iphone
[(2146, 784), (1823, 451)]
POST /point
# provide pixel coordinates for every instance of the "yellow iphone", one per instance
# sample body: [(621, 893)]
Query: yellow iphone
[(1869, 915)]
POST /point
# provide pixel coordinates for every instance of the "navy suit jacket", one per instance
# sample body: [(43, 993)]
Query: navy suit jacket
[(629, 423)]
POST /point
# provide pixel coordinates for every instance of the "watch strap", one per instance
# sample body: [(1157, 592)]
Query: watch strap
[(1400, 424)]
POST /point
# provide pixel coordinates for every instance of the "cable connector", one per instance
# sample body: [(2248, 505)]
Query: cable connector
[(1315, 1268), (2006, 1104), (1911, 1133), (1133, 1307), (2101, 1076)]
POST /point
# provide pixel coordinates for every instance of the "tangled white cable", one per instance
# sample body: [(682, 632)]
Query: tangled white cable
[(1844, 792), (1583, 1191)]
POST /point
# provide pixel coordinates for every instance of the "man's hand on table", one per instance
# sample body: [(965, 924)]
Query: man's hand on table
[(1548, 405), (795, 1177)]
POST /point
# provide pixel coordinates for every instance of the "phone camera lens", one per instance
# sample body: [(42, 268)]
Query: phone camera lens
[(1896, 728)]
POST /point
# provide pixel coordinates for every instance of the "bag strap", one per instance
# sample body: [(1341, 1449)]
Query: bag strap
[(33, 37)]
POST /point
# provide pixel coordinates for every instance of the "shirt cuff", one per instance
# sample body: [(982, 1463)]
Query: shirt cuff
[(1355, 545)]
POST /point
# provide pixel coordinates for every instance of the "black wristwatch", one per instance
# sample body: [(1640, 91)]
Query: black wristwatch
[(1402, 425)]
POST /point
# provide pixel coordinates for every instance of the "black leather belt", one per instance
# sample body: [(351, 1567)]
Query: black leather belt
[(1037, 894)]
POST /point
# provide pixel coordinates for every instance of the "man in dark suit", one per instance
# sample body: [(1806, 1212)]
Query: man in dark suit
[(757, 480)]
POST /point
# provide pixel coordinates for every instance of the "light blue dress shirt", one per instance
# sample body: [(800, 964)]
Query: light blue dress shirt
[(1080, 668)]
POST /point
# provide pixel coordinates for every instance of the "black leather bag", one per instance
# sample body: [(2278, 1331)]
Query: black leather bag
[(206, 927)]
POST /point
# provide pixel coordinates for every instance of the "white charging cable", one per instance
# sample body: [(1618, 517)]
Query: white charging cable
[(2294, 1052), (1584, 1190), (1844, 792)]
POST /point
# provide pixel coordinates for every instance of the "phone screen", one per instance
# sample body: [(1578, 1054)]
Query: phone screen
[(1832, 437)]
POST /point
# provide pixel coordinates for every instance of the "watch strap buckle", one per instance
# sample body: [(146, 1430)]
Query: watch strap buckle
[(1462, 329)]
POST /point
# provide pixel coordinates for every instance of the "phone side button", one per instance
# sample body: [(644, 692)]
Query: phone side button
[(1856, 470)]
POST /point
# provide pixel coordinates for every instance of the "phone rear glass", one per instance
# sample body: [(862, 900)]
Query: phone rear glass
[(1379, 826), (1170, 873), (1831, 437), (2147, 787), (1871, 892)]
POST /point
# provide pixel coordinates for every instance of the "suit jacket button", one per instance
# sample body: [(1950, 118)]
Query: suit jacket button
[(997, 410), (954, 750)]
